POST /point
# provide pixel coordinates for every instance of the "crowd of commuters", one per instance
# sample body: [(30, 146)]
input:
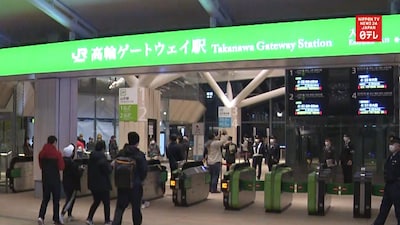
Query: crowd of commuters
[(99, 168), (218, 148)]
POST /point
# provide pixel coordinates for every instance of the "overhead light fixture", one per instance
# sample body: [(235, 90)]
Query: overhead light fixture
[(117, 83)]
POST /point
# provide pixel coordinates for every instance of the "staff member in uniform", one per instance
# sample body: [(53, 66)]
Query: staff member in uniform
[(258, 155), (391, 195), (346, 159)]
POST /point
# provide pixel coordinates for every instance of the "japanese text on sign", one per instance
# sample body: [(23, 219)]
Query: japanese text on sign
[(369, 28)]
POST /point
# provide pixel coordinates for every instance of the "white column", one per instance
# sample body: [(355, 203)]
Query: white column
[(56, 102), (149, 103)]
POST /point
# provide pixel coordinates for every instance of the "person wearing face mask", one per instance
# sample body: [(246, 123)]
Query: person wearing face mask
[(154, 150), (273, 153), (391, 194), (328, 155), (258, 153), (346, 159)]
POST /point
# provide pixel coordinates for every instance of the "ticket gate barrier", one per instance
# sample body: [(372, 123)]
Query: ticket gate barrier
[(154, 184), (318, 200), (190, 183), (278, 189), (20, 174), (362, 194), (238, 186)]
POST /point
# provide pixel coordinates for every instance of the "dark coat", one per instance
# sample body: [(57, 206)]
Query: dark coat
[(174, 154), (72, 175), (347, 153), (141, 163), (230, 152), (99, 170)]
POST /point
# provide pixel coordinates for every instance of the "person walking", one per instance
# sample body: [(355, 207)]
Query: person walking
[(174, 153), (391, 194), (71, 181), (51, 163), (99, 183), (132, 195)]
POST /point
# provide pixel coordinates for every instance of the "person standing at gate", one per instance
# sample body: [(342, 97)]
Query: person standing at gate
[(273, 153), (230, 150), (258, 155), (391, 194), (214, 159), (346, 159), (51, 163)]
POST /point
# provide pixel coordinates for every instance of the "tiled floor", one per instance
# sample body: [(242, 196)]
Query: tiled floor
[(22, 209)]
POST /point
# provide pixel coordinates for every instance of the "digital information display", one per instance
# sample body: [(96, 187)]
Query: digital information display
[(307, 97), (308, 108), (374, 92), (372, 107), (357, 91)]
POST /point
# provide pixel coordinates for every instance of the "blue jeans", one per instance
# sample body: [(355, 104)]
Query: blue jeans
[(215, 170)]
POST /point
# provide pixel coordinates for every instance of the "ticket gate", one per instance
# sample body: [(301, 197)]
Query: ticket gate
[(20, 174), (190, 183), (278, 194), (318, 200), (362, 194), (239, 186), (154, 184)]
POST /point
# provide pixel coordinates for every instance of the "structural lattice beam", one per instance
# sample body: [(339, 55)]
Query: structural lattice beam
[(218, 14), (66, 17)]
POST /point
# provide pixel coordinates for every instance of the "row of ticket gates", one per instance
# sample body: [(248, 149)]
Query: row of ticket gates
[(191, 182)]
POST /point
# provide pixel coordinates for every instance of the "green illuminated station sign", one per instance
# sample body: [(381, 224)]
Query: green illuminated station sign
[(317, 38)]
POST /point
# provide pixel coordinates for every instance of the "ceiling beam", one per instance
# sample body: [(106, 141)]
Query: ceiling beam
[(66, 17), (4, 40), (216, 12), (394, 6)]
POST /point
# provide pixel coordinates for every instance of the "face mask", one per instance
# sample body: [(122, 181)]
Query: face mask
[(272, 141), (152, 142), (326, 143), (257, 140), (392, 148), (345, 139)]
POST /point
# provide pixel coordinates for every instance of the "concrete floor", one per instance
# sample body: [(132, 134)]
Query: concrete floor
[(22, 209)]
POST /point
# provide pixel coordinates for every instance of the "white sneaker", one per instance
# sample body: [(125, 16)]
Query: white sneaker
[(40, 221), (145, 204), (70, 219), (89, 222), (61, 218)]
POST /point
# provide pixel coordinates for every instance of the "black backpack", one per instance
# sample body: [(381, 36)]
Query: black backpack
[(124, 169)]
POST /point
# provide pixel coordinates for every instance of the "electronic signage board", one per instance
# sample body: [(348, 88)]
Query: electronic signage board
[(357, 91)]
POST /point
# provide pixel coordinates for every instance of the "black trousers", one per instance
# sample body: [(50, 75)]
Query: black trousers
[(126, 196), (257, 163), (100, 196), (391, 196), (347, 173), (53, 190), (70, 195)]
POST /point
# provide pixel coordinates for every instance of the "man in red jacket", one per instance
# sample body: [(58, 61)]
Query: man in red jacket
[(51, 162)]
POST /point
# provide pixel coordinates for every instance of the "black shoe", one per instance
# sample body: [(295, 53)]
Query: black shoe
[(215, 192)]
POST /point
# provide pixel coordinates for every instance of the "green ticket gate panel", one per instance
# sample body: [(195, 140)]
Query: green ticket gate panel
[(20, 174), (239, 186), (154, 184), (362, 195), (318, 200), (278, 189), (190, 184)]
